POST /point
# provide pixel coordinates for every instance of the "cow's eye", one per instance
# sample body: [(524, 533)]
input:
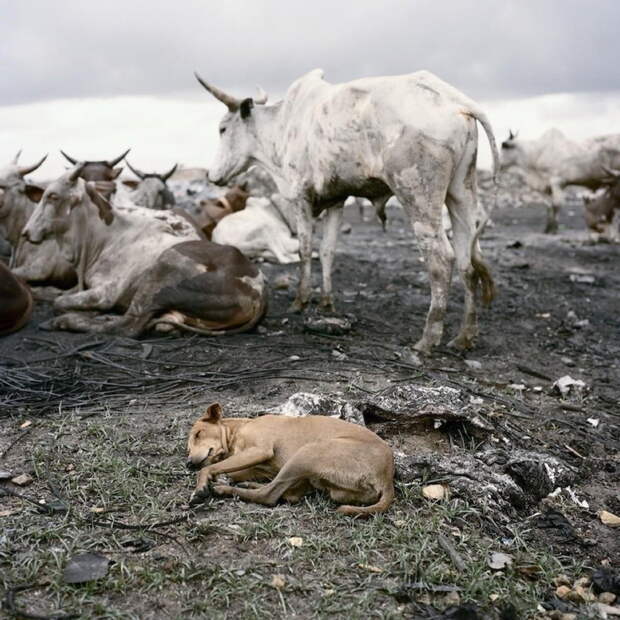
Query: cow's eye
[(222, 130)]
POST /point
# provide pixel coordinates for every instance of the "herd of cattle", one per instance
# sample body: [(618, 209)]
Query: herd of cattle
[(121, 257)]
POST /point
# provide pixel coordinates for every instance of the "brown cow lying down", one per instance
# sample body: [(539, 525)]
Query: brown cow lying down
[(296, 455), (15, 302), (213, 210), (149, 264)]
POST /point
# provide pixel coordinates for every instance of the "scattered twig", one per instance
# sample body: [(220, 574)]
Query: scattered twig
[(446, 545), (10, 604)]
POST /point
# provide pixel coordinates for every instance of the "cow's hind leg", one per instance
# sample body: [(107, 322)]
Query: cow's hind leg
[(462, 202), (423, 204)]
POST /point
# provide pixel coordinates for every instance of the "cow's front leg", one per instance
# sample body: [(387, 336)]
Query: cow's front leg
[(331, 227), (100, 298), (553, 210), (304, 233)]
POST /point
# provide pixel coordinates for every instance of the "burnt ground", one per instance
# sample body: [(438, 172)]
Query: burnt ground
[(100, 424)]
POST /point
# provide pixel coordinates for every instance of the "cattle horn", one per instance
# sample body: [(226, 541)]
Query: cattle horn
[(16, 158), (611, 172), (75, 173), (168, 174), (262, 96), (229, 101), (137, 172), (69, 159), (113, 162), (28, 169)]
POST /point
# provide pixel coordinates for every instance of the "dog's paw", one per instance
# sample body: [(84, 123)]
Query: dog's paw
[(199, 496), (223, 479), (222, 489)]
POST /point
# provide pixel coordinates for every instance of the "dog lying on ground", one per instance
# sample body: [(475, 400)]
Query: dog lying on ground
[(296, 455)]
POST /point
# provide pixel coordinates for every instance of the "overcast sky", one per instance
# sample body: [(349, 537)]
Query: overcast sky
[(97, 77)]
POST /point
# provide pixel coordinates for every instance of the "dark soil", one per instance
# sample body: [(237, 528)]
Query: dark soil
[(556, 314)]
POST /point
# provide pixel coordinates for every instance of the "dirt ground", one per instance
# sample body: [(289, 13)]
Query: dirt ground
[(100, 424)]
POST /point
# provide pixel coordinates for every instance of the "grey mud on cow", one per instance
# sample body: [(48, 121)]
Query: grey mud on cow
[(151, 265), (413, 136)]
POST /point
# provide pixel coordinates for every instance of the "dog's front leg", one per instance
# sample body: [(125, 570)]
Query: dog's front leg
[(237, 462)]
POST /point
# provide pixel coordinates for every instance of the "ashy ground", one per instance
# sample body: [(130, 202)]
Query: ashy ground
[(99, 424)]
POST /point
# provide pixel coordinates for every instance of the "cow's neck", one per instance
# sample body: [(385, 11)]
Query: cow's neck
[(269, 127), (18, 208), (86, 237)]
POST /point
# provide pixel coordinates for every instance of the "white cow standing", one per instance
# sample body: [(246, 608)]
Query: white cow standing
[(412, 136), (552, 162)]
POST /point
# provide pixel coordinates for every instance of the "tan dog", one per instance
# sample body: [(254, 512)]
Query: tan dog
[(296, 454)]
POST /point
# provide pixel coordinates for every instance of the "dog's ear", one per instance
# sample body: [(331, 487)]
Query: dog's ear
[(213, 413)]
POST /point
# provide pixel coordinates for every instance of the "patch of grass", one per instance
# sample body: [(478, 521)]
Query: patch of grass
[(221, 560)]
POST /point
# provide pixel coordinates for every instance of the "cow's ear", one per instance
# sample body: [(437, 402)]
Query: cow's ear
[(246, 107), (103, 206), (131, 183), (34, 192), (213, 413), (115, 172)]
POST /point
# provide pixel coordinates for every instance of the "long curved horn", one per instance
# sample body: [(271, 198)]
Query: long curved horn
[(611, 172), (75, 173), (262, 96), (511, 136), (139, 174), (166, 176), (16, 158), (228, 100), (113, 162), (69, 159), (28, 169)]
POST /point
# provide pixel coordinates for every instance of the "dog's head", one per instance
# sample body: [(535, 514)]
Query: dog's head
[(206, 442)]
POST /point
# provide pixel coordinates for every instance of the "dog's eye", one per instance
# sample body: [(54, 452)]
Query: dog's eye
[(197, 435)]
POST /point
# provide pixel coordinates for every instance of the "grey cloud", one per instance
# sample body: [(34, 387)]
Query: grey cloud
[(487, 48)]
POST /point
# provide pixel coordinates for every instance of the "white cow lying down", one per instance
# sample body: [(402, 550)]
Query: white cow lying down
[(259, 232)]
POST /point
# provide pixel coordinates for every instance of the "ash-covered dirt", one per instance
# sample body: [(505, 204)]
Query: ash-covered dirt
[(557, 313)]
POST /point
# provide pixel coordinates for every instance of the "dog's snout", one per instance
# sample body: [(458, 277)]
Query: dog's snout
[(190, 465)]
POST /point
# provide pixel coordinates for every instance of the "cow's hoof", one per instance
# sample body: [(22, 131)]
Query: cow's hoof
[(297, 306), (461, 343), (422, 347), (327, 305)]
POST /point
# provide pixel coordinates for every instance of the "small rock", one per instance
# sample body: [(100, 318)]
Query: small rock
[(607, 610), (566, 385), (339, 355), (435, 491), (452, 598), (568, 361), (608, 518), (607, 598), (563, 592), (294, 358), (473, 364), (582, 278), (261, 329), (336, 326), (278, 582), (26, 424), (499, 561), (517, 387), (295, 541), (593, 421), (582, 582), (561, 580), (22, 480), (282, 281), (345, 229)]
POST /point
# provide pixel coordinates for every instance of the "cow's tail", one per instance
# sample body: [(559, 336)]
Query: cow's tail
[(385, 499), (253, 322), (482, 273)]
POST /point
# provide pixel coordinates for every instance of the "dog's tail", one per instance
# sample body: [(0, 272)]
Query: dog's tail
[(385, 499)]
